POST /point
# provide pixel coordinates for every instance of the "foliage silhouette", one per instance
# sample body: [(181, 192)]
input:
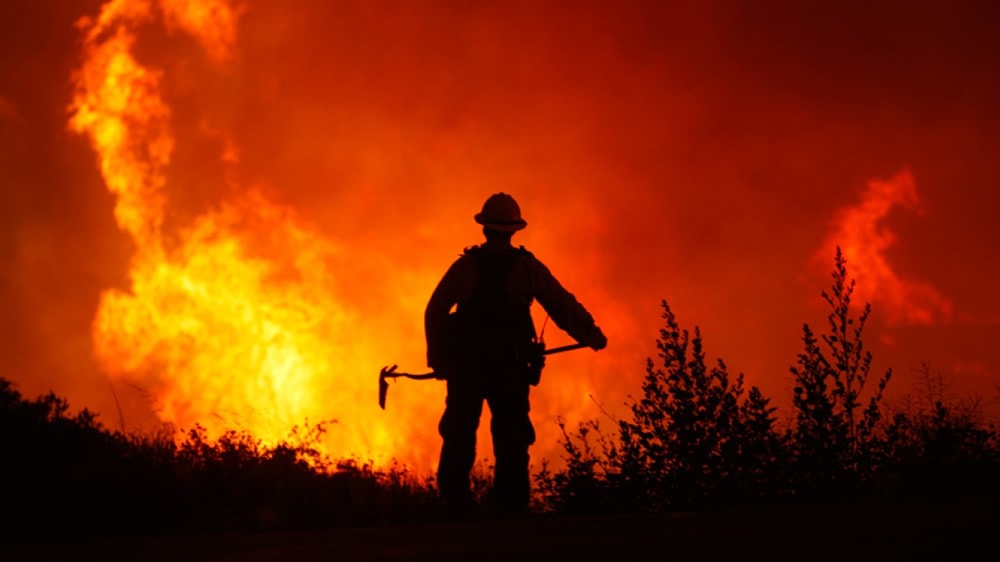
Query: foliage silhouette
[(835, 441), (937, 445), (68, 477), (693, 439), (696, 438), (591, 481)]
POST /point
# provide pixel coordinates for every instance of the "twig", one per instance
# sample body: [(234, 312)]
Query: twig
[(601, 408), (121, 416)]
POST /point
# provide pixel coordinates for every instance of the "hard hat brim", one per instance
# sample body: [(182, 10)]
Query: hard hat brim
[(502, 226)]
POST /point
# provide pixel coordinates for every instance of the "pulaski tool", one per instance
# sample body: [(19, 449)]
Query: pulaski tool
[(534, 367)]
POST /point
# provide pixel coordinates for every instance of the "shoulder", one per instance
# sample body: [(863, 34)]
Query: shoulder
[(467, 258), (470, 256), (470, 251), (464, 263), (530, 263), (528, 257)]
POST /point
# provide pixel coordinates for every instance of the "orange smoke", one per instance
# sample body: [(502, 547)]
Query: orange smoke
[(234, 320), (6, 108), (293, 180), (863, 237)]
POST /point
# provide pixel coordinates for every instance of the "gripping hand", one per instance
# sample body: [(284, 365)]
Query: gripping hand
[(597, 340)]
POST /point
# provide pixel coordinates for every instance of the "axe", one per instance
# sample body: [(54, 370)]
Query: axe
[(391, 373)]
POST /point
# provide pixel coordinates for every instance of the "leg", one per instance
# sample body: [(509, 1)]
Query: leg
[(512, 433), (458, 428)]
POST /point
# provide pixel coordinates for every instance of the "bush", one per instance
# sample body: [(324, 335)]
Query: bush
[(835, 444), (67, 477), (694, 440), (935, 447)]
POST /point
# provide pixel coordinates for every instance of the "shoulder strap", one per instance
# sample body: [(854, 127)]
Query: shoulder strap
[(490, 307)]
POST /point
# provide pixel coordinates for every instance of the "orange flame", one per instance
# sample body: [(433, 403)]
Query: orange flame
[(213, 24), (234, 321), (864, 240)]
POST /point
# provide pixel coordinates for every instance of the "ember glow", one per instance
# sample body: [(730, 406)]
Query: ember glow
[(279, 186)]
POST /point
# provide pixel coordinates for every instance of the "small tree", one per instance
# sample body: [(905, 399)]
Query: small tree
[(834, 438), (690, 440)]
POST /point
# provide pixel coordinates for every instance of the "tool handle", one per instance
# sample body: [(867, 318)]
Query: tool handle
[(391, 373), (561, 349)]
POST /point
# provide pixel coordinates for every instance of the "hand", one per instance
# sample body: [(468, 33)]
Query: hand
[(597, 340), (443, 370)]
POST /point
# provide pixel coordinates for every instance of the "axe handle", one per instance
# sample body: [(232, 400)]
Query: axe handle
[(390, 372), (561, 349), (414, 376)]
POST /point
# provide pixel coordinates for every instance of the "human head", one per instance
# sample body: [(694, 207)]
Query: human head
[(501, 213)]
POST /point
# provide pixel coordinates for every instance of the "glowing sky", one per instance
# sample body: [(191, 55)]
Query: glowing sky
[(706, 153)]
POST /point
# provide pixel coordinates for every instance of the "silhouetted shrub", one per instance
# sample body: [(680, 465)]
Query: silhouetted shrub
[(591, 482), (932, 447), (693, 439), (68, 477), (835, 443)]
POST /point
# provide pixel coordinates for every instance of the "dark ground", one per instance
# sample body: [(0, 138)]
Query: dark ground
[(950, 528)]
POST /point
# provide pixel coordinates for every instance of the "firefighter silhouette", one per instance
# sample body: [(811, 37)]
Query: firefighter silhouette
[(482, 340)]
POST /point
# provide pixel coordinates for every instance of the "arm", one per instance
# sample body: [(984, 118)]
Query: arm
[(437, 316), (564, 309)]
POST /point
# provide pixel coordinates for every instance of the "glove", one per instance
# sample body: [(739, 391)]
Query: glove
[(443, 365), (597, 340), (444, 370)]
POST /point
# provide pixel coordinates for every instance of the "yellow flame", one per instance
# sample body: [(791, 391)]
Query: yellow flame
[(234, 321), (118, 105), (212, 23)]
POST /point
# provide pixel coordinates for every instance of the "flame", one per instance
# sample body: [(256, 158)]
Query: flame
[(864, 240), (236, 320), (213, 24)]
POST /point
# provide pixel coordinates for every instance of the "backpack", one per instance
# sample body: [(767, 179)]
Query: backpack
[(494, 330)]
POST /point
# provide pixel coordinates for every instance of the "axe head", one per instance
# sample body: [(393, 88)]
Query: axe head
[(383, 385)]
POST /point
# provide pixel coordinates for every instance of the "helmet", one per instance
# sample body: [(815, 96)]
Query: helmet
[(501, 212)]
